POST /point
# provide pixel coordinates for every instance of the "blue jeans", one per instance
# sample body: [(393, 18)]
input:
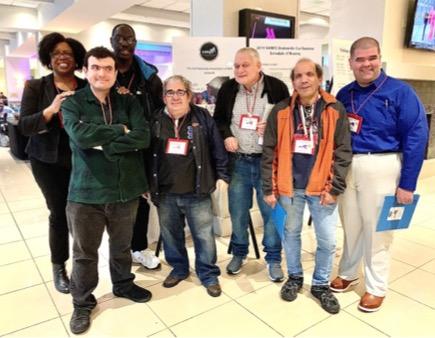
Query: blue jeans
[(173, 209), (324, 220), (245, 178)]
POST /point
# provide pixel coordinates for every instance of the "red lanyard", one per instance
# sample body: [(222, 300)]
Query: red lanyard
[(104, 112), (251, 109), (367, 98)]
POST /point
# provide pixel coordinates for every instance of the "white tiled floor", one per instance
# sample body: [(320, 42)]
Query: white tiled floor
[(249, 306)]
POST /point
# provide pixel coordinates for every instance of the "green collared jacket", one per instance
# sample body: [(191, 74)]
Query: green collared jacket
[(106, 164)]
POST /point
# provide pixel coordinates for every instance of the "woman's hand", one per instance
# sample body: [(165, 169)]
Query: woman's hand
[(54, 107)]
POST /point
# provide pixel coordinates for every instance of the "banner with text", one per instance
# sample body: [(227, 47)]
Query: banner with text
[(207, 62), (279, 56), (341, 72)]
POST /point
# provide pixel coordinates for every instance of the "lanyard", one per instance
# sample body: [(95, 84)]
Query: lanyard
[(129, 82), (251, 109), (304, 123), (104, 112), (177, 126), (367, 98)]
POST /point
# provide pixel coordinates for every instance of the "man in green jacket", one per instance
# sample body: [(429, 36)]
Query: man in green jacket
[(106, 130)]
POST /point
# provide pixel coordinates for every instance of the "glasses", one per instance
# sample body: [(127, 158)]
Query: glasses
[(64, 53), (172, 93), (130, 40)]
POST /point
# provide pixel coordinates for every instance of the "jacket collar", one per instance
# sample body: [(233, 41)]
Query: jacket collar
[(50, 87), (146, 69), (326, 97), (90, 97)]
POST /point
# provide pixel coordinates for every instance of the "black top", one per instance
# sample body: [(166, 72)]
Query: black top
[(176, 172), (130, 79), (147, 90)]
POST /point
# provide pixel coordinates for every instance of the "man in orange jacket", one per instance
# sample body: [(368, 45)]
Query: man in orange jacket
[(306, 155)]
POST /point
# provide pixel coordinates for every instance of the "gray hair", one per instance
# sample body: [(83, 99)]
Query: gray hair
[(251, 51), (186, 83)]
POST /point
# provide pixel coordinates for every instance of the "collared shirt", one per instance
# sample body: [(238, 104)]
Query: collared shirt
[(394, 120), (248, 139)]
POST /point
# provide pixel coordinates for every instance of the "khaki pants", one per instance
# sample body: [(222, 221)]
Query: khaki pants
[(370, 178)]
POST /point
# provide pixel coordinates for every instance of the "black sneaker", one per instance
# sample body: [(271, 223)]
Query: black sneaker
[(134, 293), (290, 289), (235, 265), (80, 320), (327, 299)]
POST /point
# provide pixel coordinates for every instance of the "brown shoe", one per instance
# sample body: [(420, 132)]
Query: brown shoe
[(370, 303), (214, 290), (341, 285), (171, 281)]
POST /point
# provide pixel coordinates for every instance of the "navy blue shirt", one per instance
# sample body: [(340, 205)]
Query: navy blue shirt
[(394, 120), (303, 163)]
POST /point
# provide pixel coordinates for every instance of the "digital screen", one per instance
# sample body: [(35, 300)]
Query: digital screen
[(267, 27), (423, 28)]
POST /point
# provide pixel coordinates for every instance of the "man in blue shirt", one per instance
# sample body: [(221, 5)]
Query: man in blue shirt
[(389, 137)]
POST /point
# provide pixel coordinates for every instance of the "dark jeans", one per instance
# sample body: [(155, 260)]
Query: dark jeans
[(245, 178), (139, 241), (53, 181), (87, 223), (173, 210)]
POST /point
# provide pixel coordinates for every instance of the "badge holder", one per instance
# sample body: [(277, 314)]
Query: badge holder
[(355, 122), (302, 145), (177, 146), (249, 122)]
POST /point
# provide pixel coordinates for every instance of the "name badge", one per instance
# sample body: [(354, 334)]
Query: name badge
[(355, 122), (177, 146), (249, 122), (302, 145)]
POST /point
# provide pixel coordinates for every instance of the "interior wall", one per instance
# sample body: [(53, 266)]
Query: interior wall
[(403, 62), (313, 32)]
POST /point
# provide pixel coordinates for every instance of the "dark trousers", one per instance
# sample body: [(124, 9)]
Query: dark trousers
[(53, 181), (87, 223), (139, 241)]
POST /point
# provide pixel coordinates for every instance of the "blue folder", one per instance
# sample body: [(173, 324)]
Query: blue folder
[(394, 215), (279, 217)]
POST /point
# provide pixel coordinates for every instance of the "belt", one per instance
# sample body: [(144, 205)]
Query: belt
[(374, 152), (247, 156)]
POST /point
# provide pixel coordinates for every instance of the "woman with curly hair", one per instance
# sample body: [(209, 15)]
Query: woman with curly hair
[(48, 147)]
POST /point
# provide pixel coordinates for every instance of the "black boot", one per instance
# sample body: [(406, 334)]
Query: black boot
[(60, 278)]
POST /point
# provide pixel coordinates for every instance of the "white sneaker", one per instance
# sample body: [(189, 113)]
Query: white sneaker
[(146, 258)]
